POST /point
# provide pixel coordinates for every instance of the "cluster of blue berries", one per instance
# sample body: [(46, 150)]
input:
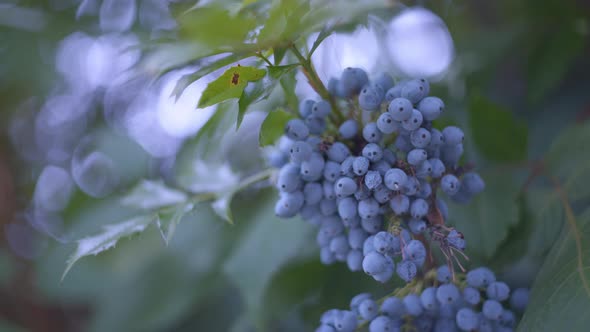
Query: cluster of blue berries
[(370, 181), (473, 302)]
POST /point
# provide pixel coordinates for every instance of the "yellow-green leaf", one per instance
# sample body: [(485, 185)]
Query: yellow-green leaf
[(273, 126), (230, 85)]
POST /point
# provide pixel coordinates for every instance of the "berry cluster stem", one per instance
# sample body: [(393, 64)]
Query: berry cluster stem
[(315, 82)]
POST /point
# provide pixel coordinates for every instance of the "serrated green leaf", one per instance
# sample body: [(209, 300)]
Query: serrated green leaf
[(222, 206), (93, 245), (485, 221), (168, 219), (259, 90), (230, 30), (279, 54), (230, 85), (152, 194), (486, 120), (188, 79), (273, 126), (560, 296), (326, 31)]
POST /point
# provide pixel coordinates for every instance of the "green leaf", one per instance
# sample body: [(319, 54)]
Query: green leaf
[(560, 296), (288, 83), (273, 126), (252, 94), (279, 53), (168, 219), (326, 31), (222, 206), (230, 85), (277, 71), (283, 23), (93, 245), (278, 240), (485, 221), (188, 79), (229, 30), (150, 195), (486, 120)]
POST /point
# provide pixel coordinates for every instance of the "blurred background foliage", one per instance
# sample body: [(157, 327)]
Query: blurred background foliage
[(518, 84)]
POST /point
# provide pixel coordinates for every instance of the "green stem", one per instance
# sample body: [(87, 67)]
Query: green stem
[(315, 82), (259, 54), (263, 175)]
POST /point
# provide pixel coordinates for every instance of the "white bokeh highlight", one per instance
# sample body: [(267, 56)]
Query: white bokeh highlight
[(419, 43)]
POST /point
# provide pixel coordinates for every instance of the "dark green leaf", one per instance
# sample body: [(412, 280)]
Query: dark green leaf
[(560, 297), (273, 126), (230, 85), (288, 83), (283, 23), (497, 134), (326, 31), (485, 221)]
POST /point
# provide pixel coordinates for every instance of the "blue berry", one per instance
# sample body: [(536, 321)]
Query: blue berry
[(394, 92), (420, 138), (373, 152), (313, 192), (345, 321), (498, 291), (289, 204), (472, 183), (443, 274), (312, 169), (406, 270), (381, 324), (393, 307), (386, 124), (368, 208), (414, 91), (417, 156), (413, 305), (400, 109), (348, 129), (455, 239), (395, 179), (419, 208), (451, 154), (372, 179), (316, 125), (305, 108), (357, 299), (413, 122), (346, 166), (345, 187), (428, 298), (384, 81), (492, 310), (296, 129), (325, 328), (453, 135), (431, 108), (480, 277), (368, 309), (449, 184), (328, 207), (381, 194), (357, 237), (467, 319), (352, 80), (383, 242), (471, 295), (372, 225), (347, 208), (519, 299), (400, 204), (448, 294), (370, 97), (321, 109), (339, 245), (338, 152), (360, 166), (331, 171), (417, 226), (437, 168), (289, 179), (354, 260), (371, 133)]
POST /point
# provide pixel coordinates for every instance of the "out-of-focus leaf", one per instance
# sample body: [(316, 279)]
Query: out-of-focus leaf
[(168, 219), (288, 83), (210, 177), (93, 245), (230, 30), (230, 85), (278, 71), (152, 194), (283, 23), (485, 221), (279, 53), (326, 31), (276, 240), (498, 135), (560, 296), (222, 206), (273, 126)]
